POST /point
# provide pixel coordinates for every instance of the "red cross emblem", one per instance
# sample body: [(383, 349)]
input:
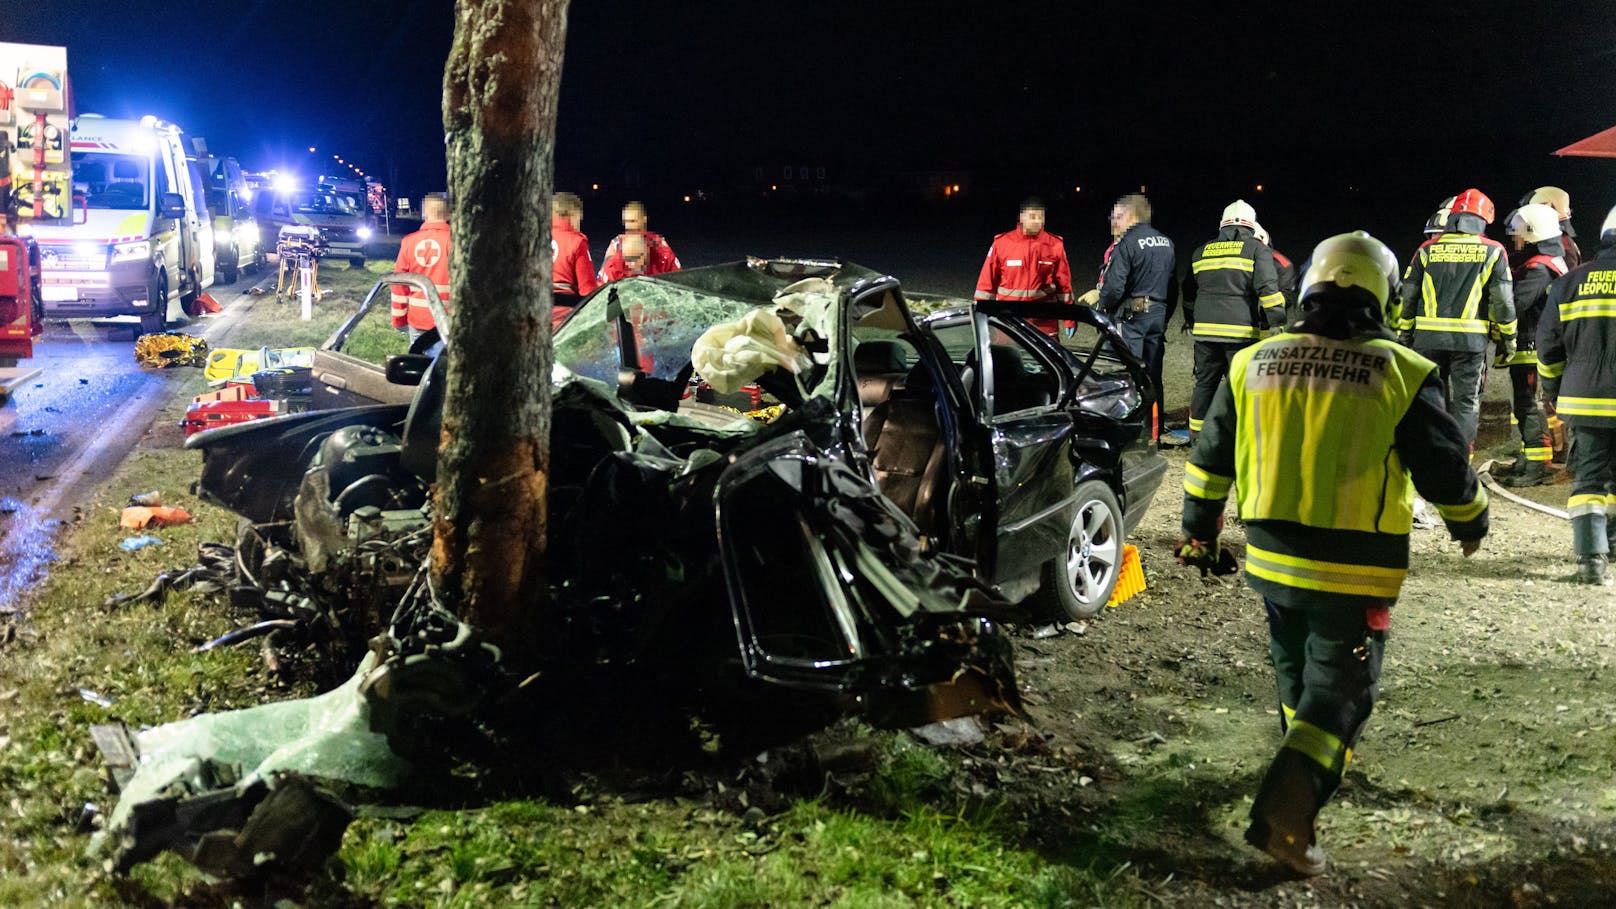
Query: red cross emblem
[(427, 253)]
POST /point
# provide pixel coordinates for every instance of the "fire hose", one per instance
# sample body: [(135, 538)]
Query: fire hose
[(1485, 473)]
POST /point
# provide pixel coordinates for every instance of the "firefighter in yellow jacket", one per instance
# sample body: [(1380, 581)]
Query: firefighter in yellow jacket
[(1576, 356), (1327, 429)]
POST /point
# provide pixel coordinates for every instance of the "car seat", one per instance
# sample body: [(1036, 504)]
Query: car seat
[(880, 367), (907, 447), (1013, 387)]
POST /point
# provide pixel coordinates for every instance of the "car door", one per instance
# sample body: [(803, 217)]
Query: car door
[(351, 368)]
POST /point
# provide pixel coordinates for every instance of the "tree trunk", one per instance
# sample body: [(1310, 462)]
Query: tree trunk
[(500, 93)]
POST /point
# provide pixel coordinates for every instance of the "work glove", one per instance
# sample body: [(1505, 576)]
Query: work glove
[(1206, 555), (1504, 348), (1089, 297)]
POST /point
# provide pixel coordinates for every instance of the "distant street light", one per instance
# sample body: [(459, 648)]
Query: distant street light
[(311, 149), (1259, 187)]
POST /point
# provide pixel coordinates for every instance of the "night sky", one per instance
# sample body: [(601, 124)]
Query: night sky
[(1405, 102)]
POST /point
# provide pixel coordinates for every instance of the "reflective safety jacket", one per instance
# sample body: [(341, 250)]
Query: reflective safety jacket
[(1232, 292), (425, 252), (572, 272), (1443, 292), (1328, 438), (1532, 277), (1576, 343), (1019, 267)]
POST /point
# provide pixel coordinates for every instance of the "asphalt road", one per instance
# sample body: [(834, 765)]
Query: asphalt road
[(64, 431)]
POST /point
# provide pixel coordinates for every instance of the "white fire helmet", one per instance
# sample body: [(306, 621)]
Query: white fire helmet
[(1438, 222), (1607, 231), (1534, 222), (1353, 260), (1554, 197), (1260, 233), (1240, 214)]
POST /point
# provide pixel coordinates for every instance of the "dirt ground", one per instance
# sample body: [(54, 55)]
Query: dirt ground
[(1485, 776)]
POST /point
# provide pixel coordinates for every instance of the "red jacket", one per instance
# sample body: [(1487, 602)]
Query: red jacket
[(425, 252), (1020, 267), (662, 259), (573, 273)]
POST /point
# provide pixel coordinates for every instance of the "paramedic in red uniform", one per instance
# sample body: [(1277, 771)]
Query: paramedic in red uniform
[(572, 276), (426, 253), (1027, 264)]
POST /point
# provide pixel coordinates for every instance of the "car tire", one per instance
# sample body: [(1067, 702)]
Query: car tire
[(157, 298), (229, 270), (1078, 581)]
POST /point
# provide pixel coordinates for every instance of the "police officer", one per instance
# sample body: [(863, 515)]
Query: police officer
[(1534, 232), (1441, 315), (1137, 284), (1322, 428), (1576, 356), (1230, 297)]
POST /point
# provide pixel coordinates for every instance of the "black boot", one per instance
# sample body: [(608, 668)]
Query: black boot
[(1527, 473), (1282, 816), (1591, 569)]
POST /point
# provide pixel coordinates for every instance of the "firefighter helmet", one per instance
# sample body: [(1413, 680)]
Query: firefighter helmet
[(1534, 222), (1474, 202), (1240, 214), (1438, 222), (1554, 197), (1352, 260), (1607, 231), (1260, 233)]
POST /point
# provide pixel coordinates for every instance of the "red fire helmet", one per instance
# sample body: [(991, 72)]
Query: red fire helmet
[(1474, 202)]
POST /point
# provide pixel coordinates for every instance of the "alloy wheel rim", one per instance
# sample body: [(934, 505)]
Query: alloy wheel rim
[(1094, 551)]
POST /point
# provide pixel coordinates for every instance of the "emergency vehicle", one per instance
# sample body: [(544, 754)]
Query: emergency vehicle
[(35, 102), (140, 241), (337, 208)]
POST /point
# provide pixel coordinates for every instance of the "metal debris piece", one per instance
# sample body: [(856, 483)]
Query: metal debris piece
[(118, 752)]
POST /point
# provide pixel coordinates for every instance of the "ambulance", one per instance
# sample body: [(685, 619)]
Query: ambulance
[(140, 239)]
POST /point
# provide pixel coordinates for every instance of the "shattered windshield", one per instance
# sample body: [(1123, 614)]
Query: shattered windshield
[(732, 342)]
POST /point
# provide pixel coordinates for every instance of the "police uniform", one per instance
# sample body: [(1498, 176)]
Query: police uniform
[(1327, 430), (1137, 286), (1443, 292), (1576, 357), (1230, 297), (1531, 282)]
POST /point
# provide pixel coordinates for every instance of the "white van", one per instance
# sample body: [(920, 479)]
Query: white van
[(140, 241), (339, 215)]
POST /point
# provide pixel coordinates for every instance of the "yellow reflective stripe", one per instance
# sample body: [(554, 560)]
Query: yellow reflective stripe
[(1204, 484), (1270, 300), (1588, 407), (1328, 577), (1551, 370), (1593, 308), (1523, 358), (1225, 330), (1441, 323), (1580, 505), (1473, 299), (1288, 710), (1506, 329), (1195, 425), (1466, 512), (1237, 263), (1427, 287), (1538, 454), (1322, 746)]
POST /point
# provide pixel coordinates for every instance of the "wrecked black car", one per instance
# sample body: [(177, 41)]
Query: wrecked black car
[(768, 476)]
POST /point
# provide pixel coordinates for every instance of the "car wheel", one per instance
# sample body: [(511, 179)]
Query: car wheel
[(1079, 580), (230, 269), (157, 298)]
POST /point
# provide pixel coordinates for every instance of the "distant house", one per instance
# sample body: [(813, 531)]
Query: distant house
[(935, 184), (790, 174)]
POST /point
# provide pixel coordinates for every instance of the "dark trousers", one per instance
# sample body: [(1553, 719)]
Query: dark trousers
[(1327, 663), (1593, 492), (1463, 373), (1528, 413), (1146, 334), (1211, 365)]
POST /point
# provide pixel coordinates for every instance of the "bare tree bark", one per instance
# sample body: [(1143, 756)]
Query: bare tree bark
[(500, 93)]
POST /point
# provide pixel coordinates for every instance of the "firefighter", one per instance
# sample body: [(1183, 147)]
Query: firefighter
[(1326, 430), (572, 275), (1559, 200), (1447, 283), (425, 252), (1230, 297), (1139, 287), (1028, 263), (660, 259), (1534, 231), (1284, 271), (1576, 357)]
